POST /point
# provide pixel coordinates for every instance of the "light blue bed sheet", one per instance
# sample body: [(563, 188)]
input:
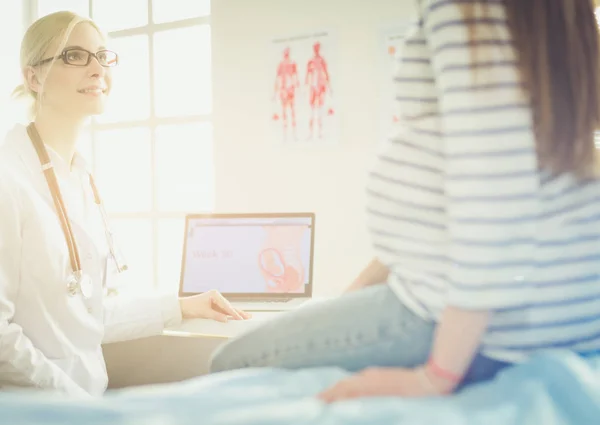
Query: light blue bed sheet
[(553, 388)]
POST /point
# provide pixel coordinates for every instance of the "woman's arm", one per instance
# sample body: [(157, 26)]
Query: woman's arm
[(456, 342), (127, 317), (491, 181), (375, 273), (131, 317), (21, 363)]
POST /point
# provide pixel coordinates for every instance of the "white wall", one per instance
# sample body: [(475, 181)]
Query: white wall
[(253, 172)]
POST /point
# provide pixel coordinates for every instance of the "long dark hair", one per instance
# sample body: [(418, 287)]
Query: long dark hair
[(558, 47)]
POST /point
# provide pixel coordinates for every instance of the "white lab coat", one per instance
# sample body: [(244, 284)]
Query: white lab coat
[(49, 339)]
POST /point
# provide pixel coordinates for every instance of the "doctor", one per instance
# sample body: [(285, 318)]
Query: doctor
[(57, 255)]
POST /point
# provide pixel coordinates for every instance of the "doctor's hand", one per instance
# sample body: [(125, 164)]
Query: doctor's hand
[(210, 305)]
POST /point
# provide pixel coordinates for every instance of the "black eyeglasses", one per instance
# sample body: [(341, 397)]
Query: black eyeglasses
[(82, 57)]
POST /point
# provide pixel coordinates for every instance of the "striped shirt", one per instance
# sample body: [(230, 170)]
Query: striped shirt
[(459, 209)]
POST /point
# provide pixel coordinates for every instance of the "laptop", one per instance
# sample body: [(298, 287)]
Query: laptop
[(259, 262)]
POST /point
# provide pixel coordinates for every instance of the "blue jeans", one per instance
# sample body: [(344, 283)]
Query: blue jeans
[(361, 329)]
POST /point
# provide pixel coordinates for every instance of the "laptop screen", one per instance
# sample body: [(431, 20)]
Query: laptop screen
[(249, 254)]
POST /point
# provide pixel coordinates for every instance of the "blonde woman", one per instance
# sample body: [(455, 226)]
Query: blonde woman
[(56, 251), (484, 211)]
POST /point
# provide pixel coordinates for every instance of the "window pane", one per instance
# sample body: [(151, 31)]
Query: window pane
[(174, 10), (81, 7), (182, 65), (184, 169), (11, 31), (114, 15), (134, 238), (130, 95), (124, 169), (170, 250)]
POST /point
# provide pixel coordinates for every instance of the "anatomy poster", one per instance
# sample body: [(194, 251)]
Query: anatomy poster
[(390, 49), (303, 75)]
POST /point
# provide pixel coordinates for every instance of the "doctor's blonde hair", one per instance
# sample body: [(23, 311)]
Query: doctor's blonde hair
[(37, 41)]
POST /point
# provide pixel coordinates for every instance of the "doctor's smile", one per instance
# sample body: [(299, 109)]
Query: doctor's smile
[(93, 91)]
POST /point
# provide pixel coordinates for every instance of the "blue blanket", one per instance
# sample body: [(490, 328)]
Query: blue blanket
[(552, 388)]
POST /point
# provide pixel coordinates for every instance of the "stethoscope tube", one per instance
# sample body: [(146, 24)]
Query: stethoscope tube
[(78, 281), (121, 267), (59, 203)]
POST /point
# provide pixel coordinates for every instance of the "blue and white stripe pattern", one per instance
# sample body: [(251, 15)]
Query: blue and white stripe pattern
[(458, 207)]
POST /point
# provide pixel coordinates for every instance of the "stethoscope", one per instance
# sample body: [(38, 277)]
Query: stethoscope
[(78, 281)]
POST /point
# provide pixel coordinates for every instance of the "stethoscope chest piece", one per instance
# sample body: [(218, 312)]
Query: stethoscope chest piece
[(72, 285), (80, 282)]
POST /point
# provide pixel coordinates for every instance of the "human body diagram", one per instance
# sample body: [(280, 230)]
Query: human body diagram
[(286, 84), (317, 83)]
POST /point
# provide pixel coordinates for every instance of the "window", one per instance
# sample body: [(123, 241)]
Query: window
[(11, 28), (45, 7), (152, 149)]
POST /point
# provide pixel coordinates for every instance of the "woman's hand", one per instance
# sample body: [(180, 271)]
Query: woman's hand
[(375, 273), (383, 382), (210, 305)]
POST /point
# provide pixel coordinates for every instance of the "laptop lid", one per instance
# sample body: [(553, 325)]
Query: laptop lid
[(249, 256)]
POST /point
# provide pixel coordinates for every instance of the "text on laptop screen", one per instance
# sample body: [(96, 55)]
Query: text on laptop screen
[(248, 255)]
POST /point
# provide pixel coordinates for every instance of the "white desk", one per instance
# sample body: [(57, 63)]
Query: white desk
[(181, 352), (204, 328)]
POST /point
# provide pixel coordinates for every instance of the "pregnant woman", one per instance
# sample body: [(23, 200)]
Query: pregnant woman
[(484, 210)]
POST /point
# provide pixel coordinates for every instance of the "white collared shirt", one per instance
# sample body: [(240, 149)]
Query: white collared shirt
[(49, 339)]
